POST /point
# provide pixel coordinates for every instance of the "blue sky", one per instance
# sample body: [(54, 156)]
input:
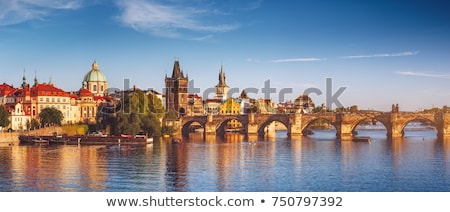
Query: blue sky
[(382, 51)]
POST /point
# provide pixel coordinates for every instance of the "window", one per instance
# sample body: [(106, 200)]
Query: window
[(47, 99), (101, 88), (41, 99), (53, 99), (94, 88)]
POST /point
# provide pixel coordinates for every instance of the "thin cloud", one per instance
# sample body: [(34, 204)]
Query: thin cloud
[(401, 54), (424, 74), (252, 60), (19, 11), (171, 20), (310, 59)]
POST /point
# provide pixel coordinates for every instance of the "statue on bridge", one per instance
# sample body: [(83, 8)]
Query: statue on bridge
[(395, 108)]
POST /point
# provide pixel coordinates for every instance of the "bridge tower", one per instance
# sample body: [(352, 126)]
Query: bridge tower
[(177, 90)]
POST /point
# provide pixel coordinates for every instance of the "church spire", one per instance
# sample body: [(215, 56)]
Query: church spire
[(24, 80), (35, 78), (222, 77)]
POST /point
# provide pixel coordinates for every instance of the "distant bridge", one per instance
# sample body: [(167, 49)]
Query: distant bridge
[(345, 123)]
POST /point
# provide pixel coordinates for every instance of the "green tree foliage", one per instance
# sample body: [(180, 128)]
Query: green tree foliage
[(139, 113), (50, 116), (34, 124), (4, 120)]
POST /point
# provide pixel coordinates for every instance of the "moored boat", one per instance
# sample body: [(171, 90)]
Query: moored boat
[(39, 140), (58, 140)]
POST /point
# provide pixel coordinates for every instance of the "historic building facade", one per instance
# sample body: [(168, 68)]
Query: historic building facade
[(26, 102)]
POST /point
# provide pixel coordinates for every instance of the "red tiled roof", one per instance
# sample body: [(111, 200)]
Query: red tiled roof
[(214, 100), (5, 89), (47, 90)]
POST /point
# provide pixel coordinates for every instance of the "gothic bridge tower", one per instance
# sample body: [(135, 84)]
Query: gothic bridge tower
[(177, 90)]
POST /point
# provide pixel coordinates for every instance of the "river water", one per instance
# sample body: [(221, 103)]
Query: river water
[(417, 162)]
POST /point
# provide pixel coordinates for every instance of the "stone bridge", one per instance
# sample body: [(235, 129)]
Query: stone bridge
[(345, 123)]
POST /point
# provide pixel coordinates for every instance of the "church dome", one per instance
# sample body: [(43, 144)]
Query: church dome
[(94, 75), (85, 93)]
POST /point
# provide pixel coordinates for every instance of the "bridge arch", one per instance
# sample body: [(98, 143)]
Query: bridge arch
[(423, 120), (186, 128), (315, 119), (373, 119), (221, 125), (275, 118)]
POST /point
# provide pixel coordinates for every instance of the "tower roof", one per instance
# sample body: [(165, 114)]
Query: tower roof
[(177, 72), (222, 82)]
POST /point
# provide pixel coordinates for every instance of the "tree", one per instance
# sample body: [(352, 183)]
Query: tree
[(34, 124), (139, 113), (50, 116), (151, 125), (4, 116)]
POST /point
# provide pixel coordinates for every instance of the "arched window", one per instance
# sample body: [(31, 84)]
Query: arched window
[(94, 88)]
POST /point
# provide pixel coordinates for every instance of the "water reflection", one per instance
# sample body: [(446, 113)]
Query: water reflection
[(417, 162)]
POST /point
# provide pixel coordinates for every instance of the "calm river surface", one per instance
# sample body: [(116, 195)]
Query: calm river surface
[(417, 162)]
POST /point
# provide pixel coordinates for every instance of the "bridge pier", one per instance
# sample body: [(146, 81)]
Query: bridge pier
[(443, 124), (296, 128), (210, 127), (252, 126), (344, 126), (395, 125)]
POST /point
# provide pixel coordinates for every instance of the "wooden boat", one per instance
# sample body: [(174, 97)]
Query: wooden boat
[(58, 140), (39, 140)]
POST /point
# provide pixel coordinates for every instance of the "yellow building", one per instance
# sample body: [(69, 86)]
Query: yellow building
[(231, 107)]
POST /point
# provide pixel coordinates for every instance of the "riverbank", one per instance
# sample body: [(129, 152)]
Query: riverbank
[(9, 138), (12, 138)]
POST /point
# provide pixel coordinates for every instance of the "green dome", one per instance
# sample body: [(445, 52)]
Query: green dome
[(94, 75)]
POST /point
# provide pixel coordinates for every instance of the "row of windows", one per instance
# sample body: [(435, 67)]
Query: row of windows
[(52, 99), (53, 106), (94, 88), (19, 119)]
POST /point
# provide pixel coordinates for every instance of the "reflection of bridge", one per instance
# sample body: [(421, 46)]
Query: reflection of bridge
[(345, 123)]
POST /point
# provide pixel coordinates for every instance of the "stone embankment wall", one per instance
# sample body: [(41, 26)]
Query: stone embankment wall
[(13, 137)]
